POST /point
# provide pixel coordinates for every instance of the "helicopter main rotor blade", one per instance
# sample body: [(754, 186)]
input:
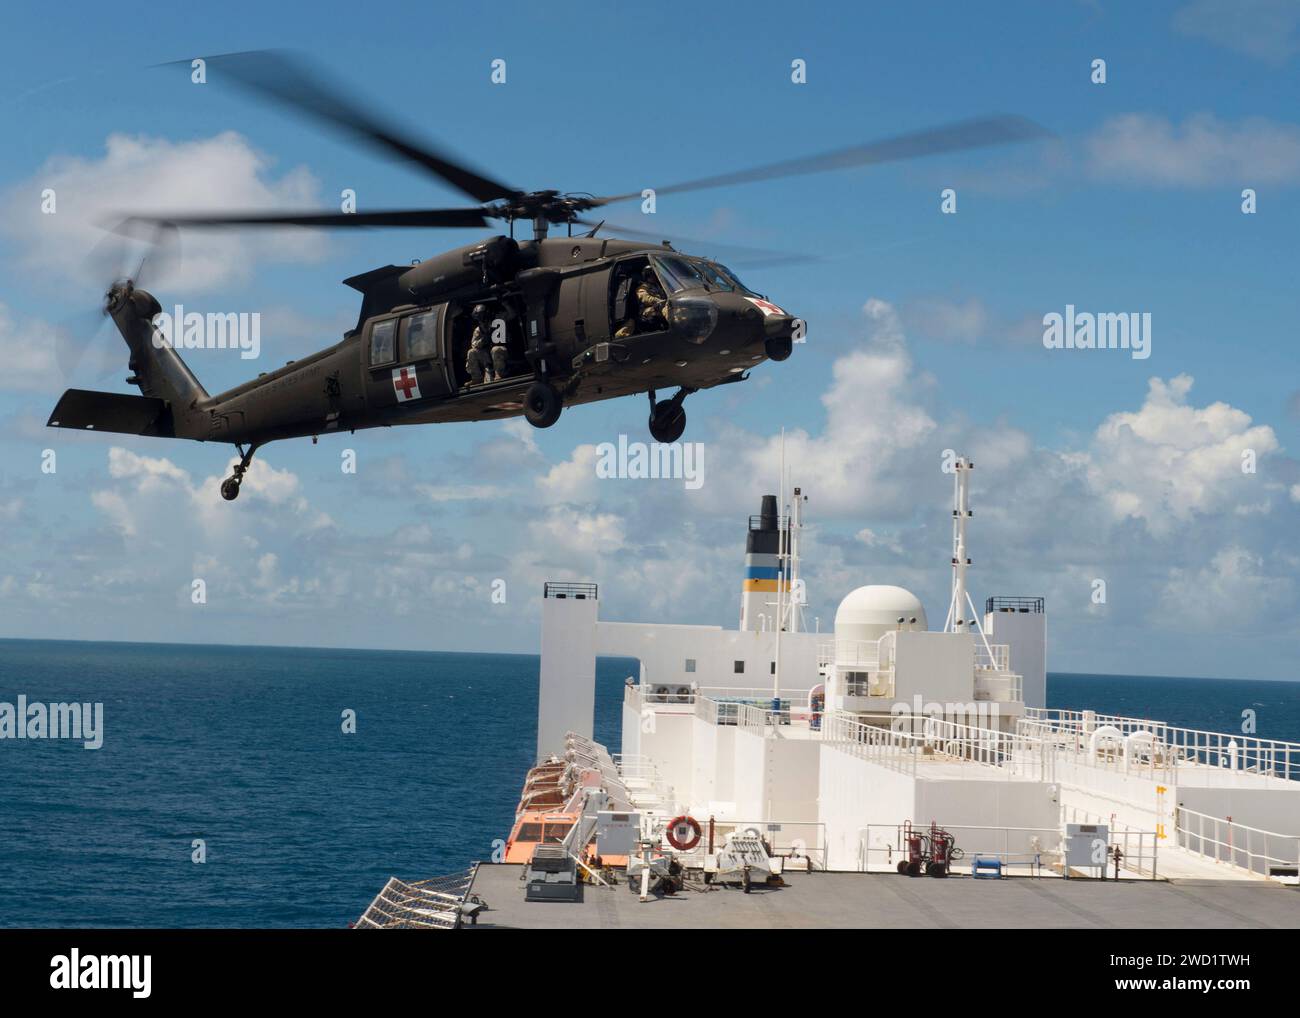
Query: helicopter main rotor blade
[(765, 255), (388, 217), (291, 82), (965, 134)]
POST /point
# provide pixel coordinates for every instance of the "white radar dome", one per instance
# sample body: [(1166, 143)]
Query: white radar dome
[(871, 611)]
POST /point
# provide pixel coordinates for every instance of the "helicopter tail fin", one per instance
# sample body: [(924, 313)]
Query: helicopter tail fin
[(170, 402), (156, 367)]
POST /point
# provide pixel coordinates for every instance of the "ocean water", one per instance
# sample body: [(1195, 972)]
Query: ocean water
[(243, 747)]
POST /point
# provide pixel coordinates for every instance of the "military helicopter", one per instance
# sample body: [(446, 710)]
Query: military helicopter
[(564, 308)]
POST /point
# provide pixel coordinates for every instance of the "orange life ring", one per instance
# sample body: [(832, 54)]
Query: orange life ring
[(684, 845)]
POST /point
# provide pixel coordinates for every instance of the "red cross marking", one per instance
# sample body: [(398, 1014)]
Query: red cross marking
[(406, 383)]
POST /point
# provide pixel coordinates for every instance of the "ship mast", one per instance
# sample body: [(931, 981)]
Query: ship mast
[(957, 621), (781, 554)]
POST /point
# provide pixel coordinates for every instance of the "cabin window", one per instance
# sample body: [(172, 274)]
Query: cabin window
[(383, 345), (690, 664), (857, 683), (739, 668), (422, 336), (772, 671)]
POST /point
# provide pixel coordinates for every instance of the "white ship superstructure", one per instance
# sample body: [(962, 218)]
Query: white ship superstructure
[(835, 748)]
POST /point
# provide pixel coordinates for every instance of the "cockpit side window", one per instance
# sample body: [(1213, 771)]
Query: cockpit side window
[(715, 279), (727, 274), (383, 342), (678, 274)]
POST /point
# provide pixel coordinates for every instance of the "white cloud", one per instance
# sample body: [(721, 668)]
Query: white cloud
[(968, 321), (1169, 461), (458, 492), (1264, 29), (145, 175), (876, 433), (27, 350), (1203, 151), (573, 479), (579, 534), (1234, 590)]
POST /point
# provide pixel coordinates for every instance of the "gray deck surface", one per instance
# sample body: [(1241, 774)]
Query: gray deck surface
[(891, 900)]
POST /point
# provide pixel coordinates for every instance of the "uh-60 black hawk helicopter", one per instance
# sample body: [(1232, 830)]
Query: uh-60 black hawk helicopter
[(568, 310)]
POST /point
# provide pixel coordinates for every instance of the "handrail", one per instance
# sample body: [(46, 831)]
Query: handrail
[(905, 740), (1169, 746), (1237, 845)]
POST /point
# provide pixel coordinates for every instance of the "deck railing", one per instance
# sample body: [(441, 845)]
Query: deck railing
[(1140, 745), (1249, 848), (883, 846), (904, 742)]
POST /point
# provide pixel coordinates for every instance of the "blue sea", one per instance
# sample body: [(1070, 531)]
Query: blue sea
[(243, 748)]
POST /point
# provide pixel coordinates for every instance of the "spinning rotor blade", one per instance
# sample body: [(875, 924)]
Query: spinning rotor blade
[(965, 134), (389, 217), (110, 261), (747, 255), (289, 81)]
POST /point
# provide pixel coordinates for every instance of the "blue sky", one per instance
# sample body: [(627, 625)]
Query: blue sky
[(925, 329)]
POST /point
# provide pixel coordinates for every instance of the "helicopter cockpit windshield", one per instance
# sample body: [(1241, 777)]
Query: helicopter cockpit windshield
[(725, 279), (678, 274)]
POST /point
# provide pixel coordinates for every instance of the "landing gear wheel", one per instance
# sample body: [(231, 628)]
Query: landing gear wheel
[(913, 869), (542, 405), (230, 486), (902, 866), (747, 882), (667, 421)]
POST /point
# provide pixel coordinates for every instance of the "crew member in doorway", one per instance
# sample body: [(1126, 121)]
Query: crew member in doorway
[(651, 302), (478, 361), (499, 358)]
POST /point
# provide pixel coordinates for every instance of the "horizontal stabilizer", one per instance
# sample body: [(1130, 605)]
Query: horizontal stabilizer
[(113, 411)]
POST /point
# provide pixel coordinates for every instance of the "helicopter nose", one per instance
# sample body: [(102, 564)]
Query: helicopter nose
[(780, 333)]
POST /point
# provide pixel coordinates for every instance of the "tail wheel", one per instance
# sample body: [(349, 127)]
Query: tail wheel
[(542, 405), (230, 489), (667, 421)]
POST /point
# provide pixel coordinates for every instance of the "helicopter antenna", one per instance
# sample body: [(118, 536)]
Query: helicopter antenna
[(595, 228)]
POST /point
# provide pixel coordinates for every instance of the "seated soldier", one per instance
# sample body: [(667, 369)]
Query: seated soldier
[(649, 315), (478, 359), (500, 357)]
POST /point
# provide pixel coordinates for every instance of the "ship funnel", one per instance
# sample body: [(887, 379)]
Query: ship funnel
[(758, 610)]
